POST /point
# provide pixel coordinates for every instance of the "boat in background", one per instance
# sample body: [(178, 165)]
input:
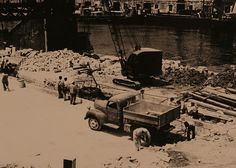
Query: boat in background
[(179, 12)]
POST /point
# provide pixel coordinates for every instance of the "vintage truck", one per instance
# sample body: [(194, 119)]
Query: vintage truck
[(130, 111)]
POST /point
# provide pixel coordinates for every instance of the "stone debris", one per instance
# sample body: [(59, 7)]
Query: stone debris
[(179, 74), (11, 165), (227, 78), (178, 159), (65, 60), (123, 162), (173, 71)]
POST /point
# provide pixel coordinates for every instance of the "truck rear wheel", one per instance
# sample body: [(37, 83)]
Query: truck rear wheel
[(94, 124), (143, 136)]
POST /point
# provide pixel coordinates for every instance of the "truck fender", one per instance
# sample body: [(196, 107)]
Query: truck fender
[(97, 114)]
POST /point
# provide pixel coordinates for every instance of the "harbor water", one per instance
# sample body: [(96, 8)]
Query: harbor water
[(194, 46)]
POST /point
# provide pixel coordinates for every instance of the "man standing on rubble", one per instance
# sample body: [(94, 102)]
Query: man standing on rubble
[(190, 130)]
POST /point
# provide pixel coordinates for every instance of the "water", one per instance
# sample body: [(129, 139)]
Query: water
[(198, 46), (205, 47)]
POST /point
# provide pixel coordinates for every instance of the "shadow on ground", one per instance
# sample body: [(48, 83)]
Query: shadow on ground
[(161, 139), (158, 139), (115, 132)]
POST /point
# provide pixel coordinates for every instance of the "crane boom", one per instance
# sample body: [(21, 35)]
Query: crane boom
[(114, 29), (141, 64)]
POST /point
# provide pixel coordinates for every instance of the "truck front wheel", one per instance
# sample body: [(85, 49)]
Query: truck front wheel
[(94, 124), (142, 136)]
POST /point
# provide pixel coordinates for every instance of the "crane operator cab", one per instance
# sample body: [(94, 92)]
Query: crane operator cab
[(143, 63)]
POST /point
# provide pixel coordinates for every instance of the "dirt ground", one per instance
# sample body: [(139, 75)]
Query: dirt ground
[(39, 130)]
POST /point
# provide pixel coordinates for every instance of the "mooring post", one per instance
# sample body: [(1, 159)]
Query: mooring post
[(45, 35), (69, 163)]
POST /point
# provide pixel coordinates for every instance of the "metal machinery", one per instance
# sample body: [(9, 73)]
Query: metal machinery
[(141, 65), (89, 88)]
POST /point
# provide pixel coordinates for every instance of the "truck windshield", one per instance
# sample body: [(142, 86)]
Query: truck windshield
[(112, 105)]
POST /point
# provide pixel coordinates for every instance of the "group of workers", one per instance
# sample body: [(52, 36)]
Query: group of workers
[(67, 91)]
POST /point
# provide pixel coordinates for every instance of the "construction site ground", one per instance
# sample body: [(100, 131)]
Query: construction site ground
[(39, 130)]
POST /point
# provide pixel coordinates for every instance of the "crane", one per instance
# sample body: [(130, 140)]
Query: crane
[(141, 65)]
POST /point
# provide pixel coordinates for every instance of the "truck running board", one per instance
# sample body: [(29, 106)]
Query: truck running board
[(114, 126)]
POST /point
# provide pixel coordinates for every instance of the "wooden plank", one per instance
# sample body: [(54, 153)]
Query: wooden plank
[(206, 99), (231, 90), (219, 98), (215, 108), (218, 93)]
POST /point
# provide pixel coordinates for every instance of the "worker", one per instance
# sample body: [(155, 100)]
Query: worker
[(189, 129), (66, 89), (6, 66), (171, 102), (60, 87), (73, 92), (5, 82), (2, 63), (1, 59), (183, 107), (192, 110), (138, 135), (142, 93)]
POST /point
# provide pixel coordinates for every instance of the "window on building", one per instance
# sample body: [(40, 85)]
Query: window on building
[(190, 7), (170, 8), (227, 9), (156, 6)]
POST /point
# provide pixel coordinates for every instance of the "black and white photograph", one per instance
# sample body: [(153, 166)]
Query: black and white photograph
[(118, 83)]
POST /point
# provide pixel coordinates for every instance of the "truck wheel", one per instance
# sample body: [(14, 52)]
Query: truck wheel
[(94, 124), (142, 135)]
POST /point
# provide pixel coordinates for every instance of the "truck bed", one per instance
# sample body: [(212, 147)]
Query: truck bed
[(152, 113)]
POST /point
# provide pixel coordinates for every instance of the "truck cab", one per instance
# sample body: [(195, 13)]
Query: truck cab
[(109, 111)]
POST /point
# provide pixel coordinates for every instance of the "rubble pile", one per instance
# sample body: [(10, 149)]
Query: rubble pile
[(173, 71), (184, 76), (217, 132), (49, 61), (227, 78), (65, 60)]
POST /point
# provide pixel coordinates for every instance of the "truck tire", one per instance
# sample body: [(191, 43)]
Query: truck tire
[(143, 135), (94, 124)]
